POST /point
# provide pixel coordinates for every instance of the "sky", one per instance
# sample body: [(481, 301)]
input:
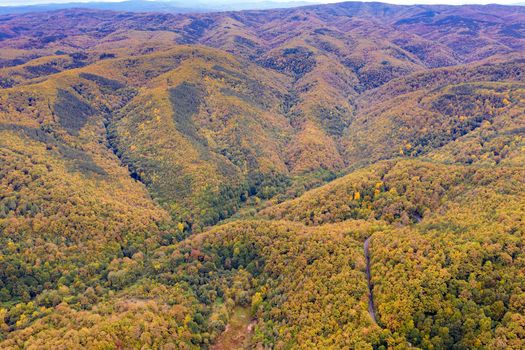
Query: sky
[(189, 2)]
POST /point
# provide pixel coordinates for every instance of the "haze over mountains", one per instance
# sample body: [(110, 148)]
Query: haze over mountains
[(172, 6), (186, 181)]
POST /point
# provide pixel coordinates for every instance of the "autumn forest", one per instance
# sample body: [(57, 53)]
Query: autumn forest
[(342, 176)]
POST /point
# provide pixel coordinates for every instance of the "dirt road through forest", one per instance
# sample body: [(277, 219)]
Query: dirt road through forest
[(371, 306)]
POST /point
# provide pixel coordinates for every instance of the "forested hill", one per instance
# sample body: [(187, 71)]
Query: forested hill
[(188, 181)]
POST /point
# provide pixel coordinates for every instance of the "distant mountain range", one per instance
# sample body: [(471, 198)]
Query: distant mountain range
[(156, 6)]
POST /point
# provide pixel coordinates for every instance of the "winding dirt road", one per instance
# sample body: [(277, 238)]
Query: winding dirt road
[(371, 306)]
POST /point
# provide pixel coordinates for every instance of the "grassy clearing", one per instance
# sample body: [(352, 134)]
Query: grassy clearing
[(238, 331)]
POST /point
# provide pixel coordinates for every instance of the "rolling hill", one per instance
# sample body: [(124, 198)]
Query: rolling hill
[(189, 181)]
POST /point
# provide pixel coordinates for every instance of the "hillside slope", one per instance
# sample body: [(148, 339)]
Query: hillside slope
[(455, 234)]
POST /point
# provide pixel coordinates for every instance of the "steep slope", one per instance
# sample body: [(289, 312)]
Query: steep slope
[(203, 132)]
